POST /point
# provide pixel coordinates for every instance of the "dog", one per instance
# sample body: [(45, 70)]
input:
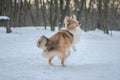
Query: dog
[(60, 43), (76, 33)]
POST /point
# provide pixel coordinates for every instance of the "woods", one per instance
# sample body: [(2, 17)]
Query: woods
[(101, 14)]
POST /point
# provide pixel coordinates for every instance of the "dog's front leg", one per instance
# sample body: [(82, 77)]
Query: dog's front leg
[(74, 48), (68, 52)]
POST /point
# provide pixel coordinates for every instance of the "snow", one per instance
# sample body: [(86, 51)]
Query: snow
[(4, 18), (97, 57)]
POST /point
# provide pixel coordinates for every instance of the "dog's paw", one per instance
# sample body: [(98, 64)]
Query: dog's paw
[(74, 48)]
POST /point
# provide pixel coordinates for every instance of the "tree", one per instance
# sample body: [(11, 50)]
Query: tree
[(102, 14)]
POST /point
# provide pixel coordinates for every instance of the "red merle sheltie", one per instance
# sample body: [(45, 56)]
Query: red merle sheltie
[(60, 43)]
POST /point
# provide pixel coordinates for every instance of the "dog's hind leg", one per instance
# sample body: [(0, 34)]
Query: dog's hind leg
[(63, 57), (62, 61)]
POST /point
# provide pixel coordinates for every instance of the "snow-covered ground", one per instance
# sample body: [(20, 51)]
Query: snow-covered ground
[(97, 57), (4, 18)]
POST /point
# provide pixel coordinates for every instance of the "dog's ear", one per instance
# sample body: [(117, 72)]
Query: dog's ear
[(66, 19), (73, 17)]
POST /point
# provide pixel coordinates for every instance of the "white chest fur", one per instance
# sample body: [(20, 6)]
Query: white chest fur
[(76, 33)]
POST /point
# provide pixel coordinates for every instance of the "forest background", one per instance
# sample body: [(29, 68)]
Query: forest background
[(101, 14)]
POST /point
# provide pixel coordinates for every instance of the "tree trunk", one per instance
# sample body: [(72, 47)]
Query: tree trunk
[(63, 11), (37, 12), (8, 27), (106, 30), (43, 9), (51, 15)]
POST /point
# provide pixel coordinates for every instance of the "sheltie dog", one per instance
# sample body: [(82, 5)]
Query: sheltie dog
[(60, 43)]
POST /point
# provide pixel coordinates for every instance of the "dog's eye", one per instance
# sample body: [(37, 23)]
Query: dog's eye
[(68, 24), (39, 42)]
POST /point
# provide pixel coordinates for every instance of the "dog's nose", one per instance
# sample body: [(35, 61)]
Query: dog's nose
[(79, 22)]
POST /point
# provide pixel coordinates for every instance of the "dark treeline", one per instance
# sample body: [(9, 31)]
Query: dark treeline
[(102, 14)]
